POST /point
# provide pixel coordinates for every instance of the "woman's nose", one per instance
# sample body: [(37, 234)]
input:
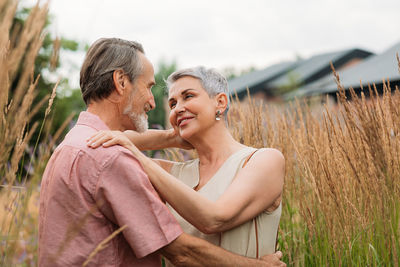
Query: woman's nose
[(180, 108)]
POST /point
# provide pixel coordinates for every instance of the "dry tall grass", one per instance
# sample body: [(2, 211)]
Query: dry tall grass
[(341, 197), (18, 193)]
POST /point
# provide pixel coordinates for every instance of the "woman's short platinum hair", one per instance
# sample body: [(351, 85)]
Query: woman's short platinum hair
[(212, 81)]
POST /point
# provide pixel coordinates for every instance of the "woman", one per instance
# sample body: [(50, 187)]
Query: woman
[(231, 194)]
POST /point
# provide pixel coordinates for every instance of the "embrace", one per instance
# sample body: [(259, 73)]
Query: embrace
[(222, 209)]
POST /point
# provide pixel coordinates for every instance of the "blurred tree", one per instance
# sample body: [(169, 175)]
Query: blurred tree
[(65, 104), (157, 116), (46, 63)]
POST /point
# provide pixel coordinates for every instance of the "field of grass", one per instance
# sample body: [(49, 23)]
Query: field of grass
[(341, 204), (341, 197)]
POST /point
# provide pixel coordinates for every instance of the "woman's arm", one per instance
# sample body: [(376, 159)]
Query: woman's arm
[(255, 188), (148, 140)]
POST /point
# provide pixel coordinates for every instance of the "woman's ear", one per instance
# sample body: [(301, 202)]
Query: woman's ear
[(119, 79), (222, 102)]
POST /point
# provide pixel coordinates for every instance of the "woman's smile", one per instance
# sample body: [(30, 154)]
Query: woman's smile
[(184, 120)]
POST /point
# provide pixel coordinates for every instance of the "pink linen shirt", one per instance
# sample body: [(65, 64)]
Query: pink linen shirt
[(87, 194)]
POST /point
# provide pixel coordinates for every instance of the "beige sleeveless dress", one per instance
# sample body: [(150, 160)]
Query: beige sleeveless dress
[(241, 239)]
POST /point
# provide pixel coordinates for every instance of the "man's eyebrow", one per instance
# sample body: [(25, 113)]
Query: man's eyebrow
[(182, 93)]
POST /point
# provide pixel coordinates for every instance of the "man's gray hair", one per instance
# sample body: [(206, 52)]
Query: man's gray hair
[(212, 81), (104, 57)]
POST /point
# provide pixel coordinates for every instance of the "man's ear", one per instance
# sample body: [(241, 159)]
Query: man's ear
[(222, 102), (119, 79)]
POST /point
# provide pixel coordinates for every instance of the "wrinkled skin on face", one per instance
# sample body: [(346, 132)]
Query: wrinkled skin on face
[(139, 99), (192, 110)]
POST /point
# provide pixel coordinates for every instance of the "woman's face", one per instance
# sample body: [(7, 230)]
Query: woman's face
[(192, 110)]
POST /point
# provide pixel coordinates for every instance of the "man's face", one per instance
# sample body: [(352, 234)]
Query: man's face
[(139, 99)]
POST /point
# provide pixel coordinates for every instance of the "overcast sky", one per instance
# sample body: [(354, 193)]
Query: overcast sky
[(230, 33)]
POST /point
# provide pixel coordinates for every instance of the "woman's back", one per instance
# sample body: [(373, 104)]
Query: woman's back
[(241, 239)]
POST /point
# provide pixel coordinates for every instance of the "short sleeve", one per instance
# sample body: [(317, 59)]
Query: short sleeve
[(127, 197)]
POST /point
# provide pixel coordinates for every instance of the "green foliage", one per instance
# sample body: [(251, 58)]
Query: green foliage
[(158, 115), (69, 44), (45, 68), (67, 104)]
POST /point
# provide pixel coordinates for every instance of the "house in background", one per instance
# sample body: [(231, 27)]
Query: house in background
[(372, 70), (274, 81), (257, 81)]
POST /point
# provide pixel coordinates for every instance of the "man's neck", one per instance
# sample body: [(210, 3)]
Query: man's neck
[(108, 112)]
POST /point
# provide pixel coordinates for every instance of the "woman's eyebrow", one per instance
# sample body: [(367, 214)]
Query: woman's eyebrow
[(185, 91), (182, 93)]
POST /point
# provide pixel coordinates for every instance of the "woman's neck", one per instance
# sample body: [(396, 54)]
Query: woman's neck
[(215, 145)]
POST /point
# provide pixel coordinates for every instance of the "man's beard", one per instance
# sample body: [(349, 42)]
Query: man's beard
[(139, 120)]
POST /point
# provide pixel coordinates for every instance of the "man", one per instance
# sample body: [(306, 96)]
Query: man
[(87, 194)]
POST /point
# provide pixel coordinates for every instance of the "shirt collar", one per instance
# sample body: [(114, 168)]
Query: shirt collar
[(91, 120)]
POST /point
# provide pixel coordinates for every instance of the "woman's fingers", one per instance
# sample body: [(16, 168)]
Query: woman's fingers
[(116, 139), (98, 141), (99, 138), (94, 137), (109, 138), (113, 141), (94, 140)]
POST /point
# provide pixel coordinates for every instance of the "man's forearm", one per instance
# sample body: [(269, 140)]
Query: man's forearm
[(187, 250)]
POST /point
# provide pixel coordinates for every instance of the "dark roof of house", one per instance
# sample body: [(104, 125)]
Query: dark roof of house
[(301, 72), (317, 67), (256, 78), (371, 70)]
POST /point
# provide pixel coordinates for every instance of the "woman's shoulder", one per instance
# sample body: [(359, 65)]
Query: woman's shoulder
[(266, 157), (272, 152), (266, 152), (266, 167)]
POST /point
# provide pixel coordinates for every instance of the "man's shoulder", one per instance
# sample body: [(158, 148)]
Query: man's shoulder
[(101, 155), (75, 144)]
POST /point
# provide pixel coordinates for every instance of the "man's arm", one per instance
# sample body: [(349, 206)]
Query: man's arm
[(187, 250)]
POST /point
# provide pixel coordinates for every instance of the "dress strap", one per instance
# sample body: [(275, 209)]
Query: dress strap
[(248, 158)]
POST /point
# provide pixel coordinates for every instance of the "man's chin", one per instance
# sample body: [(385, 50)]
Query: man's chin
[(140, 123), (142, 128)]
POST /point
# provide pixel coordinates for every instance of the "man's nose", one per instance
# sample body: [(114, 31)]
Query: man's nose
[(152, 102)]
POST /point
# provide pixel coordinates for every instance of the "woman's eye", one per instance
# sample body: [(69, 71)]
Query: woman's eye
[(188, 95), (172, 105)]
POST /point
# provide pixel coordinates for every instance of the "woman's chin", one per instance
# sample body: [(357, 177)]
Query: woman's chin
[(186, 134)]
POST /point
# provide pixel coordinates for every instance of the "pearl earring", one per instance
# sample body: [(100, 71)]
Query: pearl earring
[(218, 116)]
